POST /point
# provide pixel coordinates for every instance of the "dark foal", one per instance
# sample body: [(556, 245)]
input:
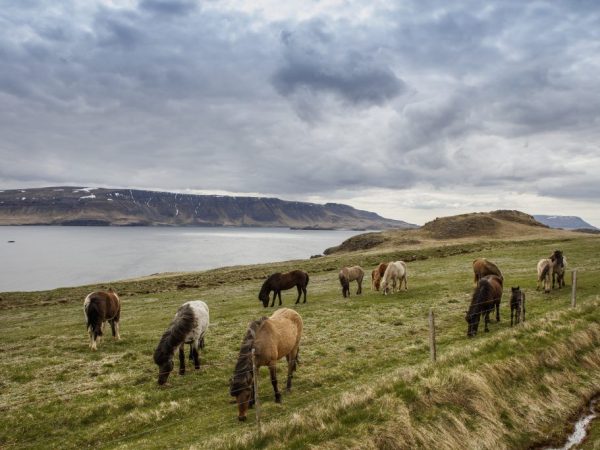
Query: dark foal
[(517, 304)]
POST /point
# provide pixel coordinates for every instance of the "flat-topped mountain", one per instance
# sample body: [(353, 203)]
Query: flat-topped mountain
[(566, 222), (67, 205)]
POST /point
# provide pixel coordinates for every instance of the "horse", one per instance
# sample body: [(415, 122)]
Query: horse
[(271, 338), (486, 295), (483, 267), (559, 263), (395, 271), (280, 282), (517, 304), (188, 327), (544, 273), (376, 275), (348, 274), (99, 307)]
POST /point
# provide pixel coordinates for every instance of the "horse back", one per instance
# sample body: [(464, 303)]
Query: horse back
[(293, 278), (279, 335), (106, 305)]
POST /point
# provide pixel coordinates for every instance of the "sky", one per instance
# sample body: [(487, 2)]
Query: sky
[(412, 109)]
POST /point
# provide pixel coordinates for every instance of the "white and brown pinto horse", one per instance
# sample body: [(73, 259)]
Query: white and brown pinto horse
[(188, 327), (99, 307), (395, 273), (348, 274)]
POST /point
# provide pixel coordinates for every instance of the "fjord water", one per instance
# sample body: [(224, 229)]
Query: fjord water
[(47, 257)]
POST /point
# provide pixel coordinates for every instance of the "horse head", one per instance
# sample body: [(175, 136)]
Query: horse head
[(165, 364), (240, 387), (472, 319)]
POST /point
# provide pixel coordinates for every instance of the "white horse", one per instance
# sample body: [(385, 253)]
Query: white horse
[(188, 327), (395, 272)]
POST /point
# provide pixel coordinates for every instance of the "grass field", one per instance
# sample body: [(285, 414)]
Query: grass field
[(365, 380)]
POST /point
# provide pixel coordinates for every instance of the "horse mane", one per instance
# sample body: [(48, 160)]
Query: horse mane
[(266, 287), (557, 258), (242, 375), (184, 322)]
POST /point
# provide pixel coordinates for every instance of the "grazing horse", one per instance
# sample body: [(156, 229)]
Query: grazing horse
[(559, 262), (517, 304), (395, 272), (486, 295), (544, 273), (483, 267), (98, 307), (272, 338), (348, 274), (280, 282), (188, 327), (376, 276)]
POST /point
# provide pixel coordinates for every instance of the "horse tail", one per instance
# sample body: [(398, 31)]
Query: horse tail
[(545, 271), (307, 278)]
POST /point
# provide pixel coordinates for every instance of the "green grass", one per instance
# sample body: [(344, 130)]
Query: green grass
[(365, 361)]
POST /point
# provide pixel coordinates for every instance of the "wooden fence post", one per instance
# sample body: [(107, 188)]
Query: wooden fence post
[(432, 348), (256, 400), (573, 287)]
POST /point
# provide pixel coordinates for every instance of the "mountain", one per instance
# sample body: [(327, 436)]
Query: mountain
[(67, 205), (566, 222)]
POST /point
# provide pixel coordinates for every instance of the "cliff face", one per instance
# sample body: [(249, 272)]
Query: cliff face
[(88, 206)]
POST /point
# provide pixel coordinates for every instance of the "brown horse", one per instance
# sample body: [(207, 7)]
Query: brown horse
[(376, 276), (483, 267), (487, 294), (280, 282), (272, 338), (559, 263), (99, 307), (348, 274)]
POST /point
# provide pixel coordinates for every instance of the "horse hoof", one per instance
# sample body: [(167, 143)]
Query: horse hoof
[(278, 399), (241, 419)]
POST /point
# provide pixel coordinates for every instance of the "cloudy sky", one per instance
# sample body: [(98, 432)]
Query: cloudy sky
[(413, 109)]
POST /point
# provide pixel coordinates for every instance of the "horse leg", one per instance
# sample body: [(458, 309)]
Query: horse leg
[(273, 372), (523, 306), (304, 291), (486, 320), (112, 328), (181, 360), (291, 359), (274, 295), (359, 291), (196, 356), (498, 311), (279, 295), (299, 293)]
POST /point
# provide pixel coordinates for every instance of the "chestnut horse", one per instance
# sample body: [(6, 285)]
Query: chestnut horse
[(272, 338), (280, 282), (483, 267), (487, 294), (348, 274), (98, 307), (188, 327), (376, 275)]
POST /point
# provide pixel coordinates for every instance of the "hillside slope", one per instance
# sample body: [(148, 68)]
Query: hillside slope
[(88, 206), (500, 224)]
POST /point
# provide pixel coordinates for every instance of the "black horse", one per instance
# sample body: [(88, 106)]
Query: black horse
[(487, 294), (280, 282), (517, 303)]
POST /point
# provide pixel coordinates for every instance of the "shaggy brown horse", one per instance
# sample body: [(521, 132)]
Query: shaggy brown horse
[(272, 338), (348, 274), (559, 263), (487, 294), (376, 275), (517, 304), (483, 267), (99, 307), (280, 282)]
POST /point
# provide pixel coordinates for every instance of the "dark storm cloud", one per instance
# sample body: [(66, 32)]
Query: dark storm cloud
[(317, 61), (180, 94)]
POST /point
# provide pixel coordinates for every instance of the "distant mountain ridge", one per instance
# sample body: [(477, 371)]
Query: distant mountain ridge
[(68, 205), (565, 222)]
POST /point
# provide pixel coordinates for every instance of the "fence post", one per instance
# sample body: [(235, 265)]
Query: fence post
[(256, 400), (573, 288), (432, 335)]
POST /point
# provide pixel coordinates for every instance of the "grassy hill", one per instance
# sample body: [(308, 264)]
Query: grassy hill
[(365, 381)]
